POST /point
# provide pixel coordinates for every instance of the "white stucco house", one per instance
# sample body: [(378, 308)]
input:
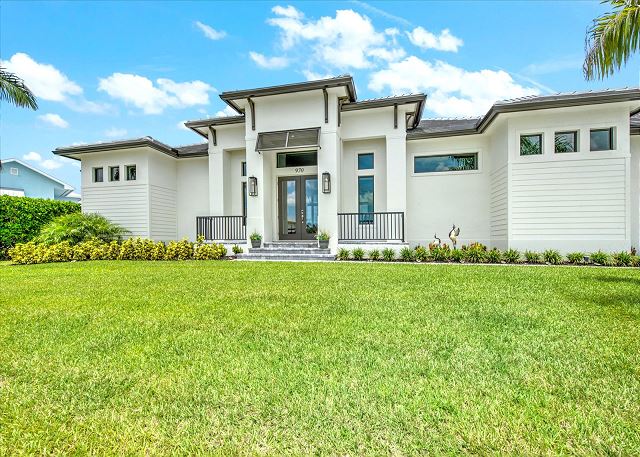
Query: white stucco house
[(560, 171)]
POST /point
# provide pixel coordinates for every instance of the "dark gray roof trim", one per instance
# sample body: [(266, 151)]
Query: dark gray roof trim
[(390, 101), (339, 81), (196, 150), (635, 124), (524, 104), (215, 121)]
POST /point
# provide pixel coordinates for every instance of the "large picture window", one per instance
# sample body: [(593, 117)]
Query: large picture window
[(531, 144), (365, 199), (297, 159), (449, 162), (601, 139)]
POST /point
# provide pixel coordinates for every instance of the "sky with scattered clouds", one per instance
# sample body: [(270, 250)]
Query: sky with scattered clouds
[(103, 71)]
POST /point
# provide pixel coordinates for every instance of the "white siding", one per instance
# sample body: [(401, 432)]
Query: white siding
[(162, 211), (635, 191), (499, 217), (124, 205)]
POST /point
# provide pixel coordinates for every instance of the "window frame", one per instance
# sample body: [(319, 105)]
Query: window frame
[(576, 141), (94, 176), (243, 168), (14, 171), (476, 152), (126, 172), (114, 167), (540, 134), (366, 220), (612, 139), (285, 153), (373, 161)]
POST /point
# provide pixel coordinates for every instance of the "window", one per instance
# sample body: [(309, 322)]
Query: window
[(14, 171), (243, 168), (244, 202), (365, 161), (130, 171), (98, 175), (365, 199), (453, 162), (566, 142), (530, 144), (297, 159), (114, 173), (601, 139)]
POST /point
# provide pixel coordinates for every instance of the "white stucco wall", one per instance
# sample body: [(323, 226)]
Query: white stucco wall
[(635, 191), (350, 173), (192, 176)]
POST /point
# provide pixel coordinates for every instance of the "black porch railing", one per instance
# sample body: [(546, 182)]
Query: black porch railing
[(222, 228), (371, 226)]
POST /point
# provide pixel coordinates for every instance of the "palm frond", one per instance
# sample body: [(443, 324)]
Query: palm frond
[(13, 90), (612, 39)]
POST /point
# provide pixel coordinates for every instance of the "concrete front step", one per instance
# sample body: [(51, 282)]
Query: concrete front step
[(288, 250), (290, 244), (282, 257)]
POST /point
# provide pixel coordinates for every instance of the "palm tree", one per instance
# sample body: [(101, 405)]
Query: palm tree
[(13, 90), (612, 39)]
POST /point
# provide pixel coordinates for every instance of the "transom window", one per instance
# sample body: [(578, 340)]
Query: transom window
[(566, 142), (365, 161), (449, 162), (98, 174), (531, 144), (601, 139), (297, 159), (114, 173), (130, 171)]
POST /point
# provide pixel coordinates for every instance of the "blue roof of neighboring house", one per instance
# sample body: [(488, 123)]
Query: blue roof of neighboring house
[(33, 182)]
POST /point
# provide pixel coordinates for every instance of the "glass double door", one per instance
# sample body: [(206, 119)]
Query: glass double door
[(298, 207)]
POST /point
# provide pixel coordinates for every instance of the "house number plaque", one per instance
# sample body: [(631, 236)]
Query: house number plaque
[(299, 170)]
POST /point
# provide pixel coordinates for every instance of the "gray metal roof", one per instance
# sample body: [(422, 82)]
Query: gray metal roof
[(445, 127), (193, 150), (635, 124)]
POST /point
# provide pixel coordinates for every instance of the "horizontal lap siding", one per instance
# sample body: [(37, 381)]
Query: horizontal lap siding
[(164, 221), (125, 206), (498, 208), (569, 199)]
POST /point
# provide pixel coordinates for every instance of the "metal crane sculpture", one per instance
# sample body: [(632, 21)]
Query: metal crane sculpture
[(453, 235), (436, 241)]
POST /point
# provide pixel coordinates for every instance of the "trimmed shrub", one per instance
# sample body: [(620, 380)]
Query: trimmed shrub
[(21, 218), (374, 254), (143, 249), (575, 258), (622, 259), (456, 255), (358, 254), (180, 250), (532, 257), (388, 254), (551, 256), (127, 250), (209, 251), (475, 254), (635, 261), (78, 227), (343, 254), (159, 251), (422, 254), (494, 256), (600, 258), (61, 252), (511, 256), (236, 249), (407, 254)]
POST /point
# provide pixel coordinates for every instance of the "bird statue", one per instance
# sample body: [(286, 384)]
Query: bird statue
[(453, 235), (436, 241)]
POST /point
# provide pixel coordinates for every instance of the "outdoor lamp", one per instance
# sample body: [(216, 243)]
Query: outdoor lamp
[(326, 183), (253, 186)]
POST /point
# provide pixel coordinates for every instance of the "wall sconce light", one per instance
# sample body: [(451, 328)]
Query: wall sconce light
[(253, 186), (326, 183)]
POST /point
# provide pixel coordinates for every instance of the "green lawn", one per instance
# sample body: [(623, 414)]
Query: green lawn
[(339, 358)]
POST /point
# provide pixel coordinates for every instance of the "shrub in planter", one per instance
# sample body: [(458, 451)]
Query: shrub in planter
[(600, 258), (511, 256), (374, 254), (343, 254), (456, 255), (407, 254), (575, 258), (532, 257), (494, 256), (323, 239), (256, 240), (78, 227), (622, 259), (358, 254), (551, 256), (388, 254), (236, 249), (159, 251), (475, 254), (422, 254)]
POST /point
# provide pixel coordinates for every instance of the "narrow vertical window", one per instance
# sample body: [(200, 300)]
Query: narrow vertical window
[(244, 203), (98, 174), (243, 168), (114, 173), (365, 199), (130, 170)]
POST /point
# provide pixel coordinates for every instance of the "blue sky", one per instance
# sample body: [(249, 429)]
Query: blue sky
[(113, 70)]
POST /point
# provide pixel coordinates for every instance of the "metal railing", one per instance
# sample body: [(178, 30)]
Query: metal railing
[(222, 228), (371, 226)]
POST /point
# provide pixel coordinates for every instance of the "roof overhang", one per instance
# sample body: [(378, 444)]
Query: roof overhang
[(201, 126), (71, 151), (230, 97), (415, 99)]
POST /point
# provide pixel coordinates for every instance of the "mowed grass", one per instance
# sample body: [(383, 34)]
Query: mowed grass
[(304, 358)]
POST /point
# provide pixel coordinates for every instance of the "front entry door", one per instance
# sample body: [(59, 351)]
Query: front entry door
[(298, 207)]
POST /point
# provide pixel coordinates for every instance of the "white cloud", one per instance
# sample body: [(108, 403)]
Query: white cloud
[(272, 63), (426, 40), (348, 40), (181, 125), (32, 157), (54, 119), (210, 32), (226, 111), (312, 76), (115, 132), (554, 66), (452, 91), (51, 164), (151, 99)]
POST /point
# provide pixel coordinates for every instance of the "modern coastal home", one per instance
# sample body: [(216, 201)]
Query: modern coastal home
[(559, 171), (20, 179)]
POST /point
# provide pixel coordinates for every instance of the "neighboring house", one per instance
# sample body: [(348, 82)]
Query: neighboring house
[(20, 179), (558, 171)]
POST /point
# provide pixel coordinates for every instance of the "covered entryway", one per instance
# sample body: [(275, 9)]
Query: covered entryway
[(297, 207)]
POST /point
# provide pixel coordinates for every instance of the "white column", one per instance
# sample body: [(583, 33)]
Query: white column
[(328, 204), (397, 174), (216, 179), (259, 208)]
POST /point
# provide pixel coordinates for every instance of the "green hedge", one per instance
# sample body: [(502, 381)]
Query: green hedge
[(22, 217)]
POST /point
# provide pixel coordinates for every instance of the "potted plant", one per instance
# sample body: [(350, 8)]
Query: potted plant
[(256, 240), (323, 240)]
